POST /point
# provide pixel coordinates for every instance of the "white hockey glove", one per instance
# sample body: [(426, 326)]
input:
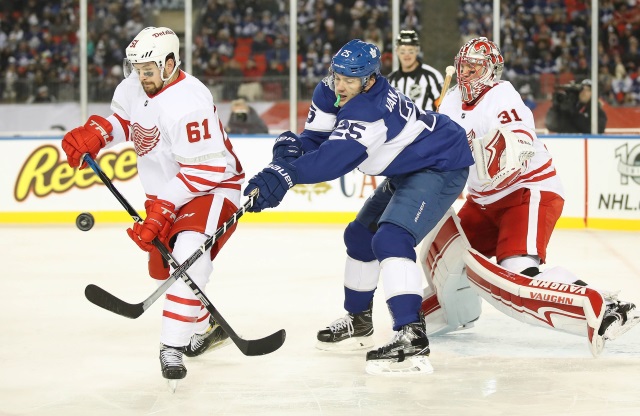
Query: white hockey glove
[(501, 157)]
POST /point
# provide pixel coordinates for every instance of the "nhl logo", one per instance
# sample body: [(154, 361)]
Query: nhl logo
[(629, 164)]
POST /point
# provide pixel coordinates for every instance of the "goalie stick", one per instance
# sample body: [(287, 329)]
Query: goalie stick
[(106, 300), (449, 71)]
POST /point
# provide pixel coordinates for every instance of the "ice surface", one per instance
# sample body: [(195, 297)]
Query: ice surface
[(61, 355)]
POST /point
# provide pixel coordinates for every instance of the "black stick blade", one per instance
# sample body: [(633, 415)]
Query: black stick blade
[(261, 346), (106, 300)]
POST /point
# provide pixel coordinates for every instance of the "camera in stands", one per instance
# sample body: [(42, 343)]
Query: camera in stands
[(565, 96)]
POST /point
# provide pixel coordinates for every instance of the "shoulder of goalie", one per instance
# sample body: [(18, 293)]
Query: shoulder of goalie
[(449, 303), (540, 301), (502, 155)]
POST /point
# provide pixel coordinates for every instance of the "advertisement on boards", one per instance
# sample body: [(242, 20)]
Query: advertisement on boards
[(601, 178)]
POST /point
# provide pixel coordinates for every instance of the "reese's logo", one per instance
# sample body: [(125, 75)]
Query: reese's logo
[(44, 172)]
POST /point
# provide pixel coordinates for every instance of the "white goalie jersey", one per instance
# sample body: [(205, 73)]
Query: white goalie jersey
[(183, 151), (502, 108)]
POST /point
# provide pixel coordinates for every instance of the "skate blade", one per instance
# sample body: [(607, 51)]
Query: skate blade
[(615, 330), (173, 385), (349, 344), (410, 366), (216, 346)]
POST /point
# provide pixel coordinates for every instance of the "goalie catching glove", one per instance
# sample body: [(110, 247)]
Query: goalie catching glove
[(90, 138), (272, 183), (287, 146), (502, 156), (161, 215)]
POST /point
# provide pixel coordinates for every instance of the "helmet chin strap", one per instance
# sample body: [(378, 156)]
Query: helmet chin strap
[(175, 68)]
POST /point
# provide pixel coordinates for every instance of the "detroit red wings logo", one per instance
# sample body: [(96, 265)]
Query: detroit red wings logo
[(470, 136), (144, 140), (495, 148)]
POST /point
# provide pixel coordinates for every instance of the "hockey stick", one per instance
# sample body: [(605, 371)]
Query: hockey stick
[(106, 300), (445, 86)]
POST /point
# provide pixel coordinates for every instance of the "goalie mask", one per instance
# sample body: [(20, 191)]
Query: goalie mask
[(355, 59), (153, 44), (486, 62)]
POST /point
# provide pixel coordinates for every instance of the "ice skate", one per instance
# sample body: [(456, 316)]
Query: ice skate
[(406, 353), (213, 338), (171, 364), (619, 317), (349, 333)]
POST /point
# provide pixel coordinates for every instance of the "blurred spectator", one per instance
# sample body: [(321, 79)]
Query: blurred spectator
[(311, 72), (244, 119), (233, 72), (527, 97), (42, 96), (279, 53), (251, 86), (260, 44), (10, 77)]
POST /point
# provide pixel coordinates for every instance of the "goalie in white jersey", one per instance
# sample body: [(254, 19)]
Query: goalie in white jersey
[(189, 172), (515, 198), (358, 120)]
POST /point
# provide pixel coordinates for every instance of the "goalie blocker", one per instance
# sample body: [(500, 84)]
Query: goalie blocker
[(458, 276)]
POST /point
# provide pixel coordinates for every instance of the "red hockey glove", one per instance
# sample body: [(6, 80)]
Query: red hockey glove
[(160, 217), (90, 138)]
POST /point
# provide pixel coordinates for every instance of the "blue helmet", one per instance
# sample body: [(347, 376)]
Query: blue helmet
[(357, 59)]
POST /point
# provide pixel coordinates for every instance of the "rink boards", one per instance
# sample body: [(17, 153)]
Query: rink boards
[(600, 174)]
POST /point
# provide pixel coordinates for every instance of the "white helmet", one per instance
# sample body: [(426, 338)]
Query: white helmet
[(486, 53), (153, 44)]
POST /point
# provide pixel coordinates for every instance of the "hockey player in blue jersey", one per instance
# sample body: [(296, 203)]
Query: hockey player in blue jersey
[(357, 120)]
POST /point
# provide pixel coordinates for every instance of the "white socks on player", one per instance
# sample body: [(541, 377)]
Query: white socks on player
[(361, 276), (401, 276)]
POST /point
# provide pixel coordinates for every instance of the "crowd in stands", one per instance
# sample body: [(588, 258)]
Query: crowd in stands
[(249, 41), (547, 42), (240, 46), (246, 43)]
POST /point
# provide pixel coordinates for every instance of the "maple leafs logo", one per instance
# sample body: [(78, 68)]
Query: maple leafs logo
[(311, 189), (144, 140)]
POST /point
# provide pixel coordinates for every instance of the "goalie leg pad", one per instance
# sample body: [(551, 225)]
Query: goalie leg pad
[(456, 306), (566, 307), (449, 302)]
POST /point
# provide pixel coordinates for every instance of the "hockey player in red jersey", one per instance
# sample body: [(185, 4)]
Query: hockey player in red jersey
[(188, 170), (514, 199)]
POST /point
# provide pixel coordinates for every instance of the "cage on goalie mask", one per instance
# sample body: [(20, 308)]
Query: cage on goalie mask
[(356, 59), (478, 51), (153, 44)]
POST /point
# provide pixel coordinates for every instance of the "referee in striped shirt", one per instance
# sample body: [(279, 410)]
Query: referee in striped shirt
[(420, 82)]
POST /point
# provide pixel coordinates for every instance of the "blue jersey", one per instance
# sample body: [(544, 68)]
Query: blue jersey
[(380, 132)]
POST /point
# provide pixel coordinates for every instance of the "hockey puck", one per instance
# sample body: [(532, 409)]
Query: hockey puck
[(85, 221)]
